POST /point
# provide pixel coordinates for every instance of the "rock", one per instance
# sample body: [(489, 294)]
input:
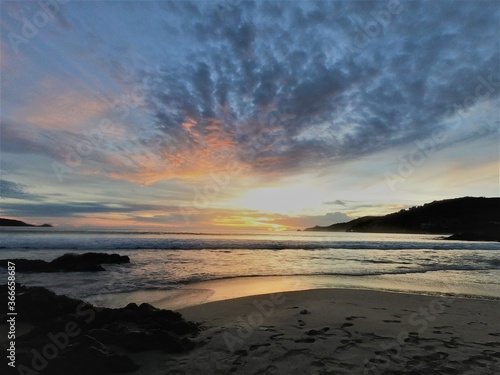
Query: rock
[(305, 312), (93, 357), (94, 258), (100, 333), (38, 304), (82, 356), (484, 235), (87, 262)]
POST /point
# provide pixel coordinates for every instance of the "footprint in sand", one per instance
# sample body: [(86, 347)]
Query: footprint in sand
[(355, 317), (267, 329), (255, 347), (274, 337), (313, 332), (452, 344), (301, 323), (481, 323), (412, 338), (491, 353), (438, 356), (308, 340)]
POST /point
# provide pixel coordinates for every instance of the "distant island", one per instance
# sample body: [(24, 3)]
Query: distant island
[(470, 218), (18, 223)]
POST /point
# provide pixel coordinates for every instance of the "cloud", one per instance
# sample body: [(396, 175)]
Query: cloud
[(75, 209), (337, 202), (67, 110), (280, 88), (307, 221), (9, 189), (315, 101)]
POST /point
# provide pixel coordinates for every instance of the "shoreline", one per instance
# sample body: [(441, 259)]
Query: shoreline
[(238, 287)]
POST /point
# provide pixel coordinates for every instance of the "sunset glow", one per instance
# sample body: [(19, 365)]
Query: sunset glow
[(272, 117)]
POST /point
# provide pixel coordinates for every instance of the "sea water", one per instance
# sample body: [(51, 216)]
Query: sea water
[(165, 261)]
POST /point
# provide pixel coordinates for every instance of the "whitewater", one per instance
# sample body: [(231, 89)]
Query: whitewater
[(170, 261)]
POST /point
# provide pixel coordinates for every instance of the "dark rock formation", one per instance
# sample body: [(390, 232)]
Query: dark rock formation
[(476, 236), (73, 337), (18, 223), (88, 262)]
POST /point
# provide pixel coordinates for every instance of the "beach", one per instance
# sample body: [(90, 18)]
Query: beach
[(338, 331), (292, 303)]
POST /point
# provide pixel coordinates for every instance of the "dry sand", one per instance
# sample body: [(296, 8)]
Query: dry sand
[(338, 331)]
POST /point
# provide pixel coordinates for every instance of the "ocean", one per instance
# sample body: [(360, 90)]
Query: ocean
[(161, 261)]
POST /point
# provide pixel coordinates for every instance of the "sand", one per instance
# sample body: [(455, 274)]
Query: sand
[(338, 331)]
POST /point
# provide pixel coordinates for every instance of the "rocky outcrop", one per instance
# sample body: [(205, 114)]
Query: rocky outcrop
[(18, 223), (74, 337), (88, 262), (476, 236)]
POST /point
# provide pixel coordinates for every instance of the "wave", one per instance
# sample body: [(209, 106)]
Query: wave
[(151, 240), (242, 245), (195, 279), (134, 243)]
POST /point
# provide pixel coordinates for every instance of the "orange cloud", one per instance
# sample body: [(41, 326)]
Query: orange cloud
[(212, 150)]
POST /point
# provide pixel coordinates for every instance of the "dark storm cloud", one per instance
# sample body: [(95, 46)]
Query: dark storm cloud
[(287, 85), (296, 68), (337, 202), (19, 138), (74, 209)]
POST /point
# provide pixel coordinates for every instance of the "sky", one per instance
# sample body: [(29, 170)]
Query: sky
[(244, 115)]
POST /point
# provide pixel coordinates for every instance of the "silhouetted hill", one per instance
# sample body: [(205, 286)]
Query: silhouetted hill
[(19, 223), (469, 217)]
